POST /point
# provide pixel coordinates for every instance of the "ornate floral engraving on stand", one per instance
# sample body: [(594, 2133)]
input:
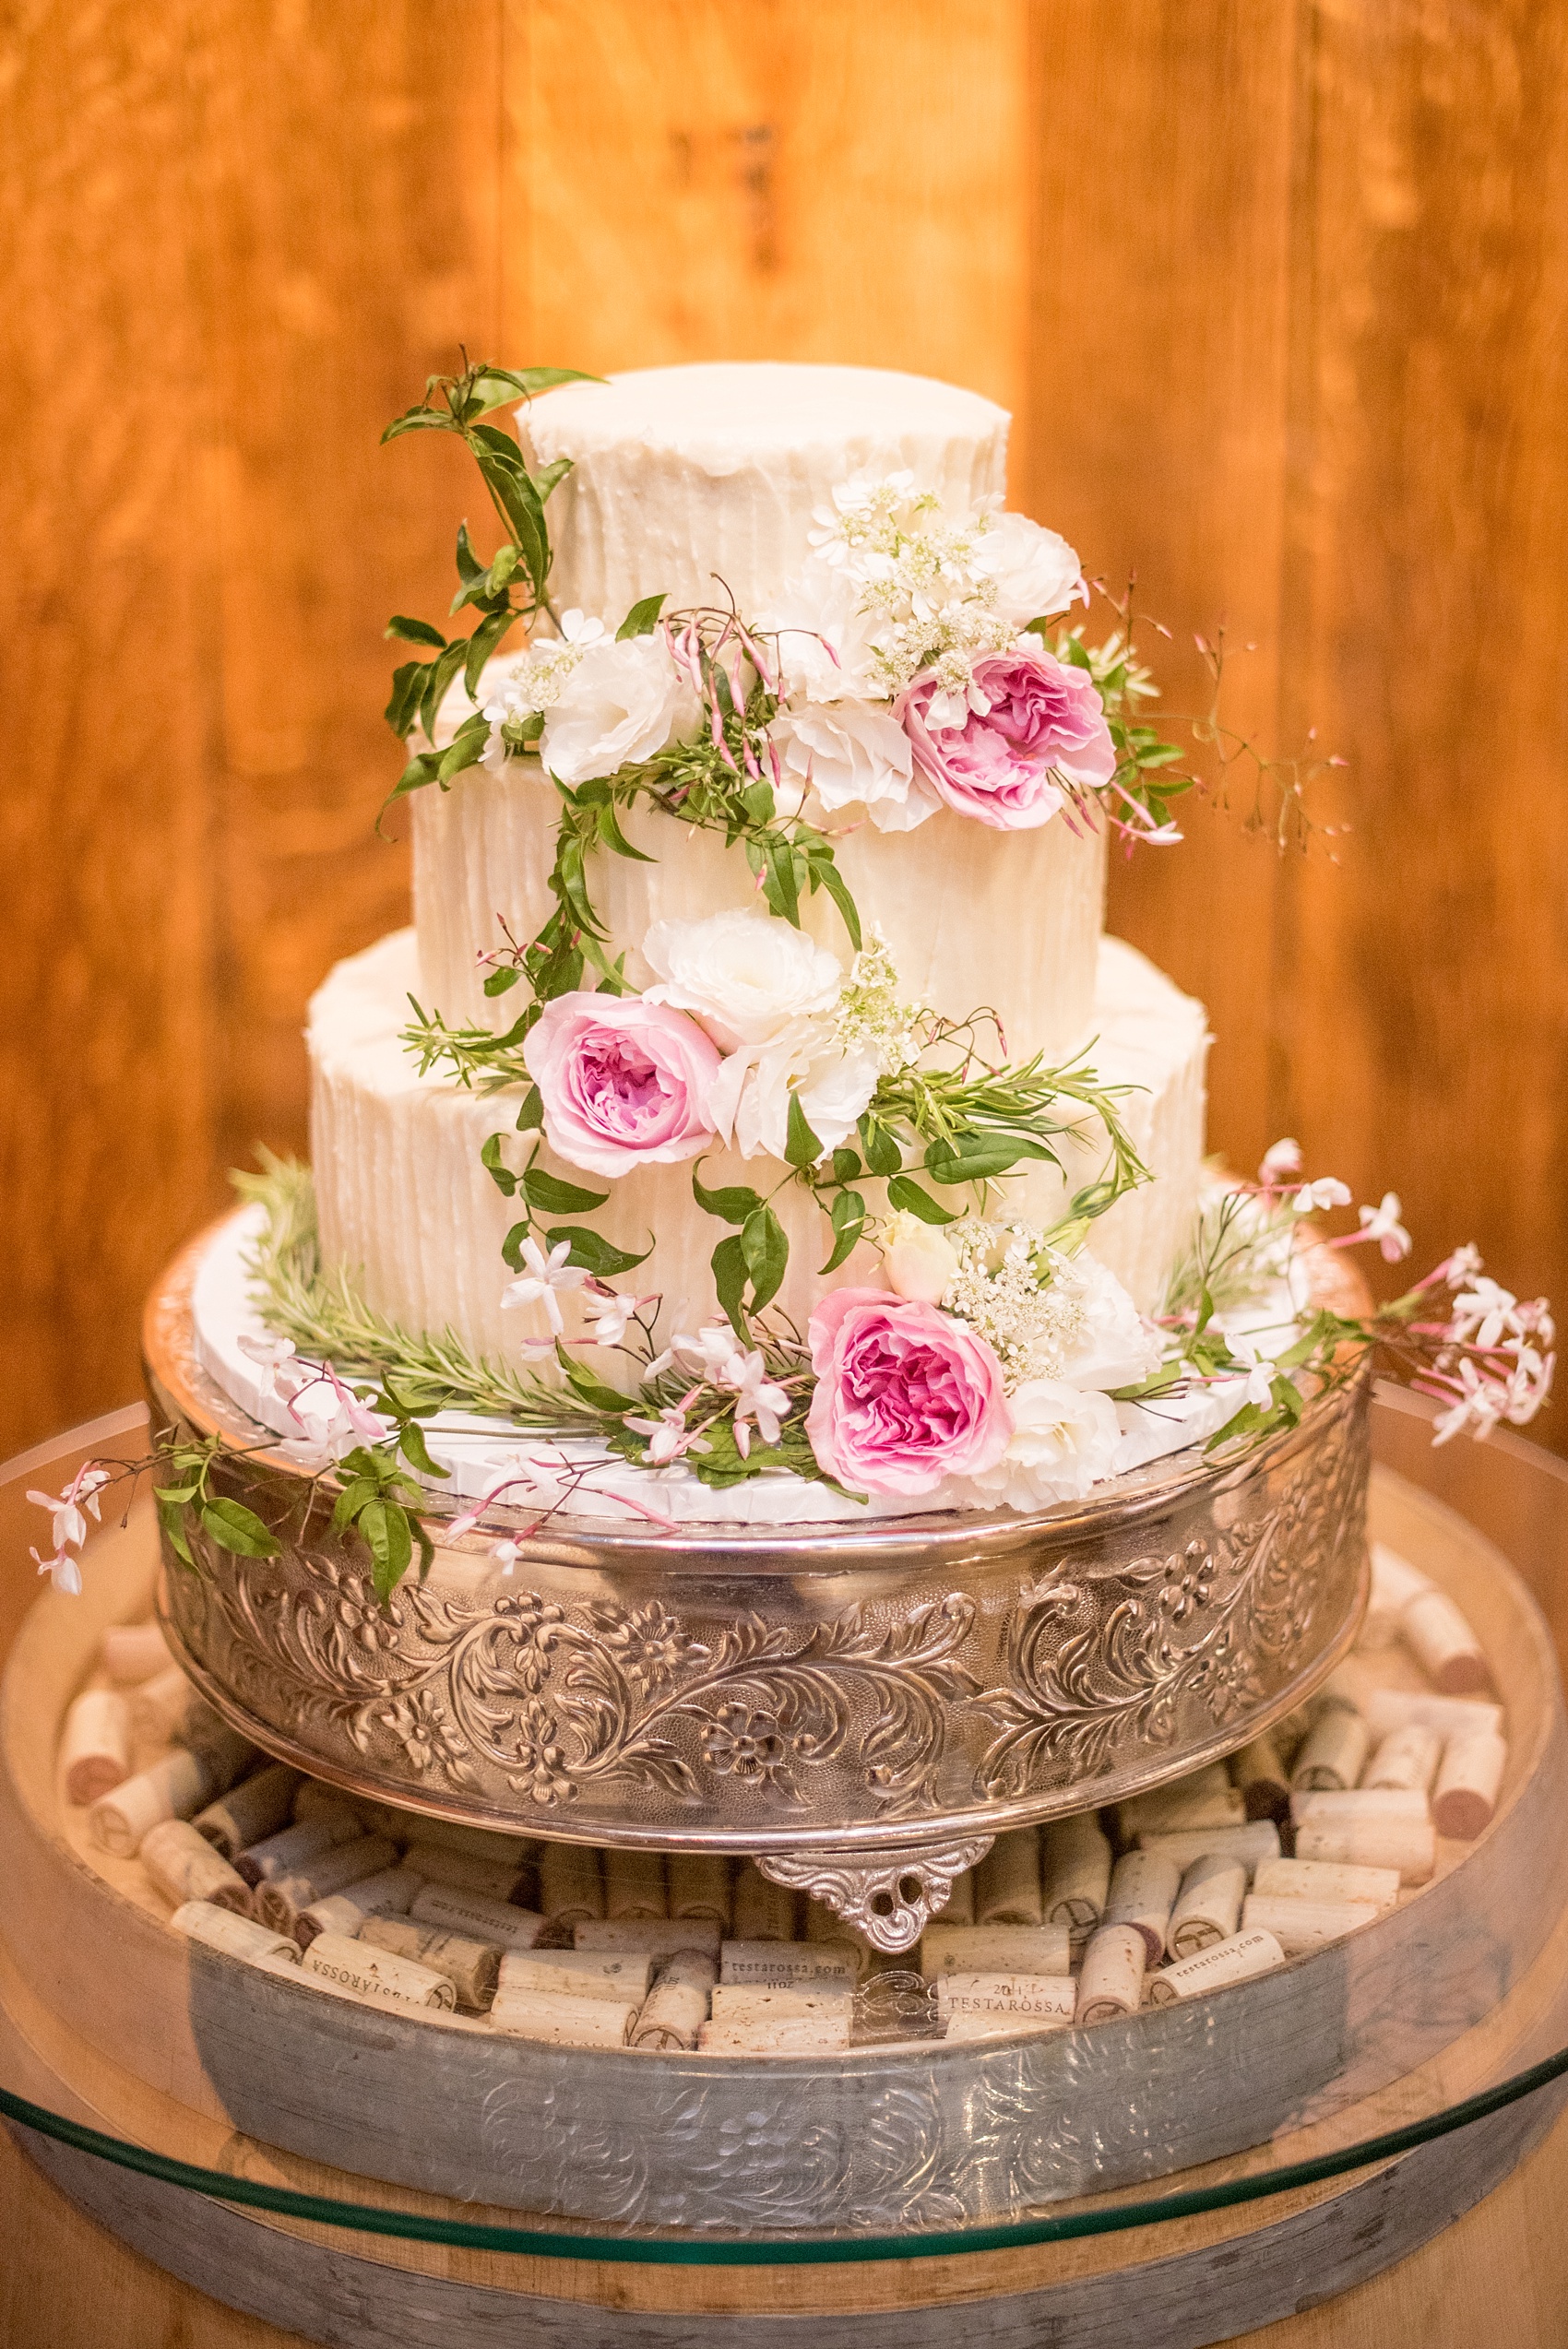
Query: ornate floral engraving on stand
[(892, 1897)]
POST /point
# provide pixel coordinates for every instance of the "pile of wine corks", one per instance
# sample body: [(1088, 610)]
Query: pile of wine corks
[(1300, 1838)]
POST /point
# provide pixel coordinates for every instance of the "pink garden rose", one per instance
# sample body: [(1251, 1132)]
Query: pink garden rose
[(904, 1395), (997, 766), (623, 1083)]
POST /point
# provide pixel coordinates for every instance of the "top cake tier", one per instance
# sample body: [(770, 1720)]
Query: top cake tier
[(687, 481)]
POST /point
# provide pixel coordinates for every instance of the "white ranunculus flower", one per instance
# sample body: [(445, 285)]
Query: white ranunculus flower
[(748, 1101), (1115, 1346), (1034, 569), (744, 975), (853, 754), (1063, 1441), (621, 702)]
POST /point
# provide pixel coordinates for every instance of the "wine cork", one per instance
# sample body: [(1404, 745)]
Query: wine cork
[(1075, 1856), (1464, 1797), (1299, 1924), (1444, 1646), (172, 1788), (1208, 1906), (565, 2022), (654, 1937), (1333, 1751), (764, 1911), (570, 1885), (1261, 1780), (236, 1936), (279, 1899), (256, 1807), (981, 2024), (497, 1879), (183, 1867), (1144, 1886), (1045, 1998), (1389, 1709), (677, 2006), (740, 2002), (1245, 1954), (228, 1755), (160, 1706), (95, 1746), (1112, 1978), (376, 1975), (787, 1965), (293, 1848), (701, 1884), (635, 1886), (472, 1913), (1363, 1840), (1007, 1880), (386, 1894), (314, 1800), (959, 1906), (994, 1948), (578, 1974), (793, 2035), (1394, 1582), (1405, 1758), (471, 1967), (1252, 1845), (1206, 1799), (133, 1652), (477, 1842), (1359, 1802), (1321, 1880)]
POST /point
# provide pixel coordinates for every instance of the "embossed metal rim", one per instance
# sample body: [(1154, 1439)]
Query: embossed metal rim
[(949, 1539)]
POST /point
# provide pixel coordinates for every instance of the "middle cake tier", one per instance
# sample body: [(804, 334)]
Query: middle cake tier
[(408, 1210)]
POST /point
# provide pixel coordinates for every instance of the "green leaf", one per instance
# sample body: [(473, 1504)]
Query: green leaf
[(531, 1117), (176, 1493), (481, 644), (494, 387), (385, 1528), (824, 874), (419, 420), (593, 1251), (234, 1528), (501, 982), (438, 674), (407, 691), (512, 1246), (465, 749), (846, 1165), (469, 564), (171, 1516), (547, 1194), (781, 885), (352, 1499), (980, 1158), (414, 632), (496, 1166), (420, 770), (902, 1191), (550, 477), (588, 1386), (802, 1147), (729, 1282), (766, 1253), (642, 619), (848, 1217), (732, 1204), (614, 838), (412, 1445), (883, 1154)]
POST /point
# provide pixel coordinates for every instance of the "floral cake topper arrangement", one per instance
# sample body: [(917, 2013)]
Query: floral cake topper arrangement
[(922, 662)]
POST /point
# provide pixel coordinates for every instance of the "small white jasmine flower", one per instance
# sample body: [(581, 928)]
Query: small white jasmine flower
[(667, 1436), (1382, 1223), (610, 1312), (1283, 1157), (67, 1523), (506, 1554), (544, 1277), (1465, 1263), (271, 1352), (1260, 1373), (756, 1397), (62, 1569), (1326, 1191)]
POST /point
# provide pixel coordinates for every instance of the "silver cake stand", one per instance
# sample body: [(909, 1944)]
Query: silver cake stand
[(860, 1708)]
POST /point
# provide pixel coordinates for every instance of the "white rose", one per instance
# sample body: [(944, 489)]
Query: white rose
[(852, 753), (621, 703), (744, 976), (823, 638), (1034, 569), (1063, 1441), (748, 1101), (919, 1263), (1115, 1346)]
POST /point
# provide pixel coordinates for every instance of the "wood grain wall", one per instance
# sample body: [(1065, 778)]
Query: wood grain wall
[(1275, 291)]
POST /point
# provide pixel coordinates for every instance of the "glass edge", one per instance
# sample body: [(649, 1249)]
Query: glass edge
[(790, 2251)]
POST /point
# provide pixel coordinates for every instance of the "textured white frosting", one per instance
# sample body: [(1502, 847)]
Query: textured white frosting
[(407, 1209), (972, 916), (679, 473)]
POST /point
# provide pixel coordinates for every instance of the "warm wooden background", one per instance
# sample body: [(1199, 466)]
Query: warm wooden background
[(1275, 290)]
